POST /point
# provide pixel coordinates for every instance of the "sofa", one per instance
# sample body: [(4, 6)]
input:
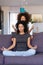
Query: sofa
[(37, 59)]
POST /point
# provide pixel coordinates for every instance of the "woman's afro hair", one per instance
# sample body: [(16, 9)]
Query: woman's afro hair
[(26, 14)]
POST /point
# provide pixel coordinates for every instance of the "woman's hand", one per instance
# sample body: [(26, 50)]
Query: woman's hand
[(32, 27), (35, 47), (13, 26)]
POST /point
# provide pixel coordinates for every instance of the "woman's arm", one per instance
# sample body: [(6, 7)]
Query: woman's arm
[(29, 45), (31, 29), (14, 28), (11, 47)]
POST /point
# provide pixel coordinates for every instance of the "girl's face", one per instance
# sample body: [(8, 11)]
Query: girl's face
[(23, 18), (21, 27)]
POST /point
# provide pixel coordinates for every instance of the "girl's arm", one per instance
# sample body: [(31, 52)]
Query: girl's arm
[(29, 45), (11, 47)]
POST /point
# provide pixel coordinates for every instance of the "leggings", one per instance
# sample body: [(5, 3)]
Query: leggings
[(29, 52)]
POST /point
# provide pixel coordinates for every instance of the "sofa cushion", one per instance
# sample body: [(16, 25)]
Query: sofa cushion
[(38, 40), (5, 40), (1, 59), (25, 60)]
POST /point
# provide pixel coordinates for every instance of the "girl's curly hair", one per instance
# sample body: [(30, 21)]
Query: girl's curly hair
[(24, 24), (26, 15)]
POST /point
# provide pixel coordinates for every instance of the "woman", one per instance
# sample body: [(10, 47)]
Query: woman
[(23, 38)]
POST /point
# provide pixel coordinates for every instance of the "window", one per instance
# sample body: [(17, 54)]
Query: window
[(13, 21)]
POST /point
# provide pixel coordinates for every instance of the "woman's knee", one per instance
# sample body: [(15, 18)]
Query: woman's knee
[(33, 51), (5, 52)]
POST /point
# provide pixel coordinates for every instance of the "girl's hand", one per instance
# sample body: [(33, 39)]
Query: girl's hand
[(3, 49), (35, 47)]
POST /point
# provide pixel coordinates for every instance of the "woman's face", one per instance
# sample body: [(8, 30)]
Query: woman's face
[(23, 18), (21, 27)]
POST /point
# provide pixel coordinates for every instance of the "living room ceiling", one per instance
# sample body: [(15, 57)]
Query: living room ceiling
[(20, 2)]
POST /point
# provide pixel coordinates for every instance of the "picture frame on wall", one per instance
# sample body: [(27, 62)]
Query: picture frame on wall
[(36, 18)]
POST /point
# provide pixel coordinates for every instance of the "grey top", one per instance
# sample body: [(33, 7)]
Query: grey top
[(21, 41)]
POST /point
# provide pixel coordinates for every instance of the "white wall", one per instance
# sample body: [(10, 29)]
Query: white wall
[(5, 9), (36, 10), (30, 9), (6, 17)]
